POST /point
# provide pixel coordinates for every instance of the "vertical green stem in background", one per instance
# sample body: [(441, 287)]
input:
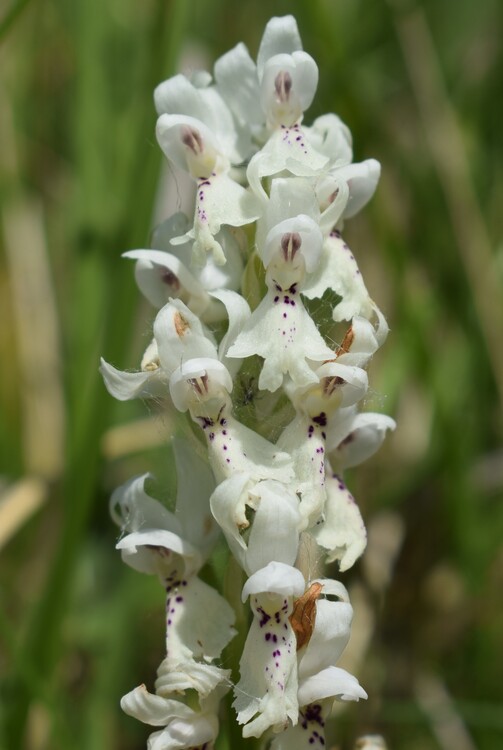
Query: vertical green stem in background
[(43, 642)]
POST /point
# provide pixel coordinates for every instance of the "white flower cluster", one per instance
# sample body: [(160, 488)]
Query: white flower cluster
[(240, 136)]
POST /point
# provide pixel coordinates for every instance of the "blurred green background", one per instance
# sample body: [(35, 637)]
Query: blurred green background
[(420, 84)]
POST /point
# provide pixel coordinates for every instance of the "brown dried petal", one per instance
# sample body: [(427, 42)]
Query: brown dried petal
[(303, 616)]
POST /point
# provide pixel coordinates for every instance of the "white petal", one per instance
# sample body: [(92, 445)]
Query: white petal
[(275, 578), (362, 346), (177, 676), (219, 200), (238, 312), (210, 276), (280, 35), (228, 505), (331, 137), (195, 484), (362, 181), (153, 709), (288, 197), (354, 381), (339, 271), (343, 533), (307, 448), (125, 386), (164, 232), (185, 728), (333, 197), (184, 735), (161, 276), (145, 550), (236, 77), (234, 137), (357, 438), (213, 276), (329, 638), (275, 530), (225, 202), (178, 96), (357, 181), (204, 104), (234, 448), (132, 509), (333, 588), (308, 733), (198, 623), (382, 328), (331, 682)]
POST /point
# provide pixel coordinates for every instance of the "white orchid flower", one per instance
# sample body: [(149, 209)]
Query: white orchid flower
[(191, 145), (320, 681), (281, 330), (198, 97), (266, 694), (288, 83), (162, 272), (337, 385), (202, 386), (244, 84), (178, 335), (361, 179), (284, 81), (355, 436), (177, 332), (160, 543), (184, 727)]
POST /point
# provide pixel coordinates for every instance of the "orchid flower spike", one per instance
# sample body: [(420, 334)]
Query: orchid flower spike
[(234, 292)]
